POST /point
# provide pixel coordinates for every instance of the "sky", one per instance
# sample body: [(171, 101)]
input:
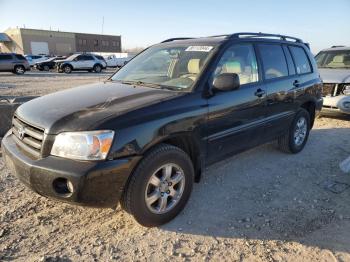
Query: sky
[(142, 23)]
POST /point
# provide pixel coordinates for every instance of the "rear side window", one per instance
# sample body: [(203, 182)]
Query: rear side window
[(274, 61), (20, 57), (5, 57), (301, 61), (89, 57)]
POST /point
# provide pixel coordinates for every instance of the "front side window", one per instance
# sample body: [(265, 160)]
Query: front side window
[(274, 61), (239, 59), (302, 63), (334, 59), (20, 57), (172, 66)]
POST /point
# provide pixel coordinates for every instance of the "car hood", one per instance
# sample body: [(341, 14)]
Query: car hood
[(85, 107), (336, 76)]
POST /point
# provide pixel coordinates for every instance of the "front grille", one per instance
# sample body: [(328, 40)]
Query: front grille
[(27, 137), (328, 89)]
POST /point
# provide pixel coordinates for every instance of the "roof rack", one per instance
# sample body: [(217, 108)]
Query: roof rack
[(335, 46), (176, 38), (249, 34)]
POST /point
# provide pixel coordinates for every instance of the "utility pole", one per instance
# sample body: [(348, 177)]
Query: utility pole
[(103, 22)]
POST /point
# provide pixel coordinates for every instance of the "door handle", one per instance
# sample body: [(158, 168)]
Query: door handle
[(259, 92), (296, 83)]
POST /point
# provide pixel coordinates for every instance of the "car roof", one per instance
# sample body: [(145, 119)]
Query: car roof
[(337, 48)]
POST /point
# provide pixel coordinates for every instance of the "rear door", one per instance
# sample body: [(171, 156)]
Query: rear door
[(6, 62), (236, 118), (279, 77), (89, 62)]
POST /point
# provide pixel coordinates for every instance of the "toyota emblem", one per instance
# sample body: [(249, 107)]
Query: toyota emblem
[(21, 133)]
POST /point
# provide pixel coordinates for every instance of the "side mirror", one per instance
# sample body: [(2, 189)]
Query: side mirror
[(226, 82)]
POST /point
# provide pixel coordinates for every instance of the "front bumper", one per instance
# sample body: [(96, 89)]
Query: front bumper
[(336, 105), (98, 183)]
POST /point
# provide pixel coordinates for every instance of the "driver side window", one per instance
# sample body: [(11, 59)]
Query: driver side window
[(239, 59)]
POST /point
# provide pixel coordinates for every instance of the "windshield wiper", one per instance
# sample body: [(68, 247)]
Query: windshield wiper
[(141, 83)]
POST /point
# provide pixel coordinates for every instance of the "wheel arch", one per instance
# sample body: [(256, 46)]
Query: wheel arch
[(310, 107)]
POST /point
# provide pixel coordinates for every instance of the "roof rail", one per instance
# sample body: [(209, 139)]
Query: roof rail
[(335, 46), (176, 38), (249, 34)]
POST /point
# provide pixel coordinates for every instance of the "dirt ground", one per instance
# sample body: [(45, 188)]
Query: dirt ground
[(261, 205)]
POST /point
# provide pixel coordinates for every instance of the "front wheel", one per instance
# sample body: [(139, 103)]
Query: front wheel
[(160, 186), (295, 139), (67, 69), (19, 70)]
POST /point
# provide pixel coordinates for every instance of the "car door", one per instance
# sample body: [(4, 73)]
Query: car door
[(236, 118), (6, 62), (89, 62), (79, 62), (280, 82)]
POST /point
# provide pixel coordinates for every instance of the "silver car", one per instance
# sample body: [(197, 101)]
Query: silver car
[(14, 63), (334, 68)]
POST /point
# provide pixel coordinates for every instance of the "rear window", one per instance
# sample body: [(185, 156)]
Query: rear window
[(99, 57), (20, 57), (301, 61), (5, 57), (274, 61)]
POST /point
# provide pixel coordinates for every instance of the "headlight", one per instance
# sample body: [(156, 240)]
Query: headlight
[(346, 90), (89, 145)]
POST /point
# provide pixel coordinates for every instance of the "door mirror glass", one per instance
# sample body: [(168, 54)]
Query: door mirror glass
[(226, 82)]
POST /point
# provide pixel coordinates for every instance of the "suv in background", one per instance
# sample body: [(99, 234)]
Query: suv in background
[(334, 67), (80, 62), (144, 136), (14, 63), (32, 59)]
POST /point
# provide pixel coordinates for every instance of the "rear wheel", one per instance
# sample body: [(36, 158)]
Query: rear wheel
[(296, 138), (19, 70), (46, 68), (97, 68), (160, 186)]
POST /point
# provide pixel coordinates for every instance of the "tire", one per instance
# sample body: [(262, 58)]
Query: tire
[(288, 143), (46, 68), (97, 68), (139, 186), (19, 70), (67, 69)]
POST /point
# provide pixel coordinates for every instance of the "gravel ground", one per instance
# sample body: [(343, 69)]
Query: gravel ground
[(261, 205)]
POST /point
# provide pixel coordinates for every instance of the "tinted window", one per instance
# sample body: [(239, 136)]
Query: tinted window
[(291, 67), (80, 58), (99, 57), (5, 57), (239, 59), (301, 61), (273, 60), (89, 57), (20, 57)]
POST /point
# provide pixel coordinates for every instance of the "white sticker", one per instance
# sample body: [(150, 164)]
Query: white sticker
[(198, 48)]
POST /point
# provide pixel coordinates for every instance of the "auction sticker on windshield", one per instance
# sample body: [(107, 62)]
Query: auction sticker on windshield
[(197, 48)]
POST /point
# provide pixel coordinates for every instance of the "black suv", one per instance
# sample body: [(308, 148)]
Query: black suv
[(144, 136), (14, 63)]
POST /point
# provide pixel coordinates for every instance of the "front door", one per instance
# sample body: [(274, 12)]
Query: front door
[(236, 118)]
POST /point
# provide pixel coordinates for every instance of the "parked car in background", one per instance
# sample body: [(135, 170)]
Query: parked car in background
[(113, 61), (334, 67), (48, 63), (15, 63), (103, 61), (32, 59), (80, 62), (144, 136)]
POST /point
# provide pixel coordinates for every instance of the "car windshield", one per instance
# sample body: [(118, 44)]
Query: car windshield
[(174, 67), (333, 59), (72, 57)]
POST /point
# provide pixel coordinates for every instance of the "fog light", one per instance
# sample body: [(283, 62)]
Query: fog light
[(63, 186)]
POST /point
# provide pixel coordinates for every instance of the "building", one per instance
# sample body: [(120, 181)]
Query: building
[(34, 41)]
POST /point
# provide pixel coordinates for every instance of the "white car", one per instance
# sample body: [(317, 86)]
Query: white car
[(78, 62), (33, 59), (113, 61), (334, 68)]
